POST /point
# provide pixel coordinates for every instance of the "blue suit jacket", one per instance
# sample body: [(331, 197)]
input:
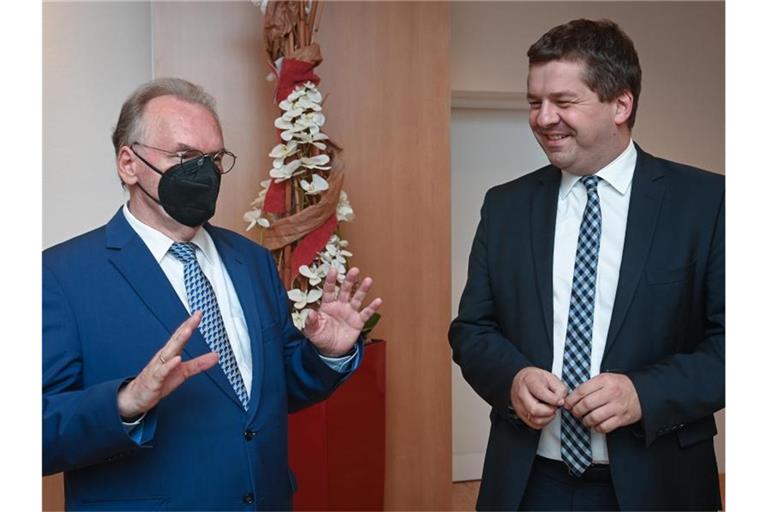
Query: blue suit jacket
[(667, 331), (107, 309)]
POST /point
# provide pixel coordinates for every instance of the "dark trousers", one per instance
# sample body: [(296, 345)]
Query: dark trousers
[(551, 487)]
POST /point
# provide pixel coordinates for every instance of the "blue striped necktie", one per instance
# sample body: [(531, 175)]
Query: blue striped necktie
[(202, 298), (575, 446)]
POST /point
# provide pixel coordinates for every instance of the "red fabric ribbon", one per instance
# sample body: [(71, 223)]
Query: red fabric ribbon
[(274, 201), (310, 245), (292, 73)]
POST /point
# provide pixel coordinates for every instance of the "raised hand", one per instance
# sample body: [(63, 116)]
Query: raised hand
[(535, 396), (337, 324), (605, 402), (164, 373)]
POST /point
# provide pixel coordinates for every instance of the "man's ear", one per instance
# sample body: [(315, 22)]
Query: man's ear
[(623, 105), (126, 166)]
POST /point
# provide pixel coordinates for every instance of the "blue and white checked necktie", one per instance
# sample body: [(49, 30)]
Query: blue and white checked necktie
[(575, 444), (202, 298)]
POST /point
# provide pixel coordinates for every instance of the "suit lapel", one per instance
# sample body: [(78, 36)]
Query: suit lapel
[(132, 259), (243, 283), (543, 214), (644, 206)]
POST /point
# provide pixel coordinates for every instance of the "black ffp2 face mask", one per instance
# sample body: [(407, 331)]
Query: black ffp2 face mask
[(188, 191)]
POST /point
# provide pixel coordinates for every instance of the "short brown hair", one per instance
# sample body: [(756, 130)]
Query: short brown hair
[(130, 125), (611, 62)]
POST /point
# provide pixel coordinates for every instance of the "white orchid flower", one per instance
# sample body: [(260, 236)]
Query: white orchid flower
[(316, 162), (313, 273), (288, 127), (284, 150), (317, 185), (308, 102), (314, 96), (287, 105), (333, 242), (285, 171), (341, 270), (344, 211), (310, 120), (300, 318), (297, 93), (254, 217), (290, 115), (342, 255), (311, 138), (283, 124), (301, 299)]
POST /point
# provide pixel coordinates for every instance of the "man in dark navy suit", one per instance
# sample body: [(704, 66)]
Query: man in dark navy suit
[(593, 318), (134, 310)]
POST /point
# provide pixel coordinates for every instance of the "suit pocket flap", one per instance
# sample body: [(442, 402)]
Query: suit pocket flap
[(669, 275), (697, 432)]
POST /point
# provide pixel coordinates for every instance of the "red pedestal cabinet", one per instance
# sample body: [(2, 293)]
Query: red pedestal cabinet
[(336, 447)]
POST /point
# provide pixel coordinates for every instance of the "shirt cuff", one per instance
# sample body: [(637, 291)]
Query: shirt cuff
[(339, 364), (135, 429)]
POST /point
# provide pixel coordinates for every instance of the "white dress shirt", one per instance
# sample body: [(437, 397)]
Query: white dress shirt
[(614, 191), (214, 269)]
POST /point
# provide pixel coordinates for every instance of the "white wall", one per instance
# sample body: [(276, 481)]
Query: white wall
[(94, 55), (488, 147)]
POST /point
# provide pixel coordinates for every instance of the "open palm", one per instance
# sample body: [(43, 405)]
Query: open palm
[(336, 325)]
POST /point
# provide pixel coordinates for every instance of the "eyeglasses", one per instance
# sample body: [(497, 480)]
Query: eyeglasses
[(223, 160)]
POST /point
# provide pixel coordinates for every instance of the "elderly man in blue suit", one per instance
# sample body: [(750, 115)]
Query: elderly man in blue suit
[(134, 310), (593, 319)]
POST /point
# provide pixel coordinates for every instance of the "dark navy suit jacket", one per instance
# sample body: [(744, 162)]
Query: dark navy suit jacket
[(667, 331), (107, 309)]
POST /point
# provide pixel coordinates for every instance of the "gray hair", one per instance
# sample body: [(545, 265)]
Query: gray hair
[(130, 124)]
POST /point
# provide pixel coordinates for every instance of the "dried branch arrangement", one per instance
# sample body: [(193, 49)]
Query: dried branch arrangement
[(298, 211)]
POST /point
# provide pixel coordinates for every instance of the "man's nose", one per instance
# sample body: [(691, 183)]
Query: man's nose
[(547, 115)]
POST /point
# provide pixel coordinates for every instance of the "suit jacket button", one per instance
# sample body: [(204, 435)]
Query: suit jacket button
[(249, 434), (248, 498)]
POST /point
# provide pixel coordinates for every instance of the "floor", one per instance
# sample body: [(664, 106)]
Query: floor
[(465, 494)]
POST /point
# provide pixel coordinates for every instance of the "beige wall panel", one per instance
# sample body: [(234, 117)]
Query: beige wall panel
[(682, 52), (386, 80), (386, 68)]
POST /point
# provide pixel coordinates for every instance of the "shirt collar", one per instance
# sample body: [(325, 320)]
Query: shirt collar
[(158, 243), (618, 174)]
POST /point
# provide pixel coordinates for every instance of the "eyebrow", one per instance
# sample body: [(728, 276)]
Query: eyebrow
[(181, 147), (557, 95)]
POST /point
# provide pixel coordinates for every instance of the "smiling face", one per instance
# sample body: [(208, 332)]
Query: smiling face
[(579, 133)]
